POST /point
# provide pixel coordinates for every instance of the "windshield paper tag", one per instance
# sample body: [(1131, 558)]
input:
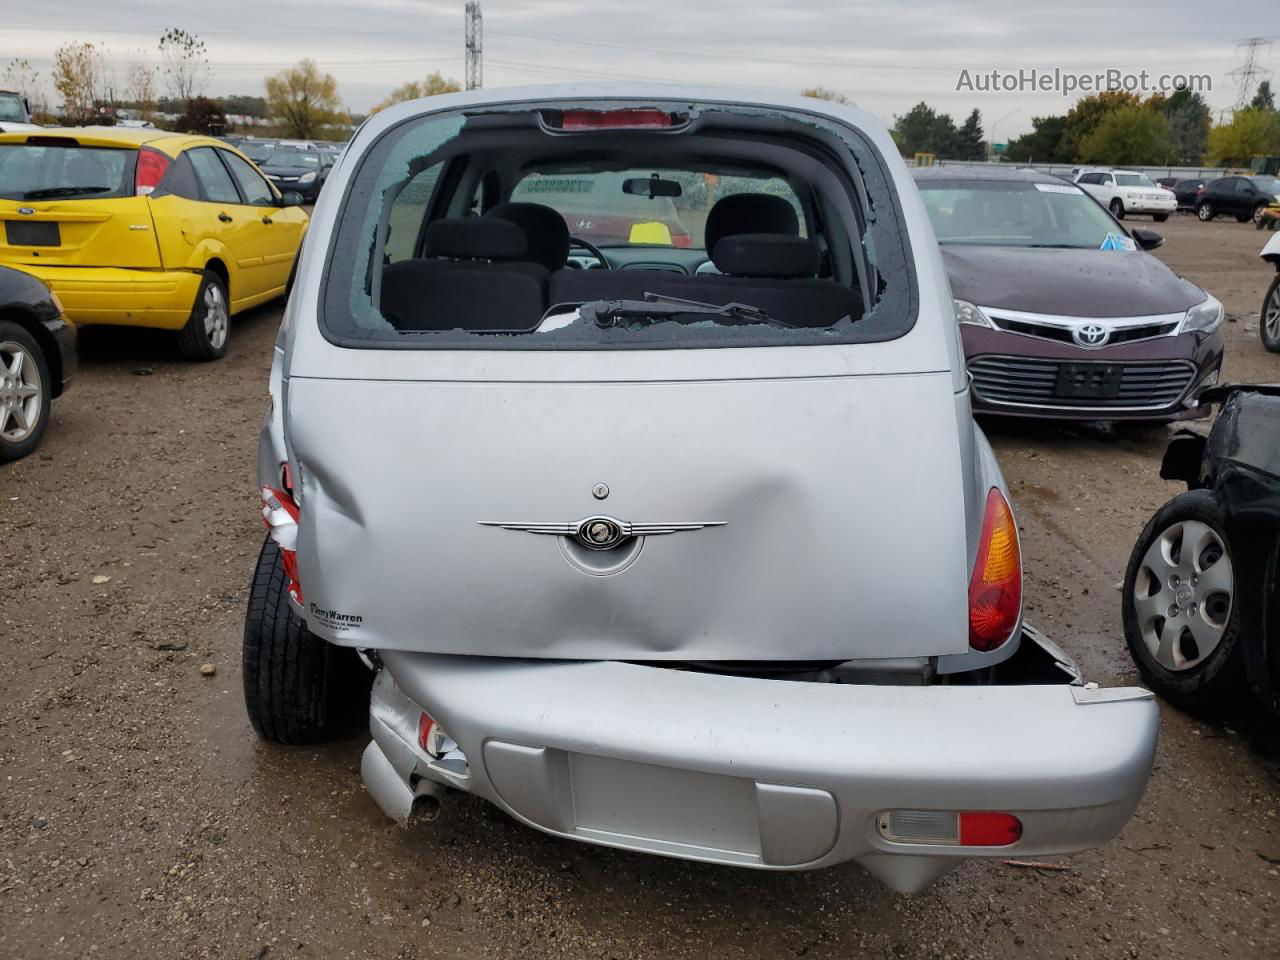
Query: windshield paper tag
[(1118, 241), (1057, 188)]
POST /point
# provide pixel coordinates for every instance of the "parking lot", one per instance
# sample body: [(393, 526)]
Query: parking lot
[(142, 816)]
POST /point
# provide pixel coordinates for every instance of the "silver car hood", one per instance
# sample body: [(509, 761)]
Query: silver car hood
[(829, 515)]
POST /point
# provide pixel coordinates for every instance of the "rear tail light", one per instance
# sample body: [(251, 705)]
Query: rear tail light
[(152, 165), (280, 514), (966, 828), (995, 590), (638, 119), (443, 750)]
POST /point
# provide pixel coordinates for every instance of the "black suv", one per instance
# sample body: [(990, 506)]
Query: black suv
[(1242, 197)]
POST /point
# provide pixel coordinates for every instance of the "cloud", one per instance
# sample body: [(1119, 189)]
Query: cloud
[(886, 57)]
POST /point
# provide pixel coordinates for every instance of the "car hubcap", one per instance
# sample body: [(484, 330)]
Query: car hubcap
[(215, 316), (1206, 212), (19, 392), (1183, 595), (1271, 318)]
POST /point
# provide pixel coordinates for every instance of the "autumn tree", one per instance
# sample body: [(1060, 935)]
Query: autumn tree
[(186, 67), (435, 84), (1250, 133), (78, 79), (304, 100), (140, 82), (822, 93), (1129, 136), (19, 75), (1088, 112)]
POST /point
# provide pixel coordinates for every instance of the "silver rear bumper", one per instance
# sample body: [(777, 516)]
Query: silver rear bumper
[(763, 773)]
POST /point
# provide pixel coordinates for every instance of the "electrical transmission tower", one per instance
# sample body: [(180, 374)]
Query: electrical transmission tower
[(1250, 72), (475, 46)]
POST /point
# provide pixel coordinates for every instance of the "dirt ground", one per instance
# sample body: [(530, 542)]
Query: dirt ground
[(140, 817)]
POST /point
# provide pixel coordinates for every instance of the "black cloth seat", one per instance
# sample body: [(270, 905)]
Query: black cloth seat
[(545, 231), (476, 277), (749, 213)]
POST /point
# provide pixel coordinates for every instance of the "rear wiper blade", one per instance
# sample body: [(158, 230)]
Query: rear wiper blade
[(657, 306), (48, 192)]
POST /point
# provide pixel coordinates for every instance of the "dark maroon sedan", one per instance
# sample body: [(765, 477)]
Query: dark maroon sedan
[(1062, 311)]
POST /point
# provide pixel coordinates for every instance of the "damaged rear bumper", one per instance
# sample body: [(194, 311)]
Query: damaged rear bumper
[(763, 773)]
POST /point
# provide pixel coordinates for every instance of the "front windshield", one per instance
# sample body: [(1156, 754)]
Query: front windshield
[(596, 208), (1015, 214), (11, 108), (292, 158), (1133, 180), (1267, 184)]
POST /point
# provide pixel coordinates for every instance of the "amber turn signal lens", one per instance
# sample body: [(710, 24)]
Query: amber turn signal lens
[(995, 590)]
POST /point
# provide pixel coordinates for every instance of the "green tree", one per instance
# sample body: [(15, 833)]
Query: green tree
[(1042, 144), (186, 67), (1088, 112), (304, 100), (1189, 122), (1250, 133), (435, 84), (1129, 136), (969, 142), (1264, 99), (924, 130)]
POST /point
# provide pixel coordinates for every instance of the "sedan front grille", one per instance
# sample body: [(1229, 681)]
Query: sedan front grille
[(1051, 331), (1026, 381)]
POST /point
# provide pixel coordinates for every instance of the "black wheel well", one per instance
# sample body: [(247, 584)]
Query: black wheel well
[(217, 266), (52, 356)]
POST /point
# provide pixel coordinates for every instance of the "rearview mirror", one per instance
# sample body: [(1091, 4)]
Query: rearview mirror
[(651, 187), (291, 198), (1146, 239)]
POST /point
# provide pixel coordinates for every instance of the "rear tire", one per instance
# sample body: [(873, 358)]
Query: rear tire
[(1256, 216), (25, 390), (298, 688), (1204, 210), (1159, 217), (1117, 208), (1165, 626), (1269, 319), (209, 327)]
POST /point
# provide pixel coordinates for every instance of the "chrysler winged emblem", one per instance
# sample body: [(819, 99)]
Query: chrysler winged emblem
[(600, 533)]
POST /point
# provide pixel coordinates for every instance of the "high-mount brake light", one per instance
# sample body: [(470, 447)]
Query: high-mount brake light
[(995, 590), (280, 514), (151, 168), (628, 119)]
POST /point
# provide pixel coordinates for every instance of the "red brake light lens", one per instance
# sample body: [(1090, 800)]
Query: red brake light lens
[(985, 829), (152, 165), (995, 590), (615, 120)]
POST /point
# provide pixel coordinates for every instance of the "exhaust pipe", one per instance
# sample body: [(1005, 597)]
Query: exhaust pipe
[(403, 804)]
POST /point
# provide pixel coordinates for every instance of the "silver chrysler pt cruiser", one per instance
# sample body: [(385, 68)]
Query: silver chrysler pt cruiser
[(620, 463)]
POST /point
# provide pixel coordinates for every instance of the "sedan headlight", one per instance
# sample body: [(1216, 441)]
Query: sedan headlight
[(1204, 317), (307, 177), (968, 313)]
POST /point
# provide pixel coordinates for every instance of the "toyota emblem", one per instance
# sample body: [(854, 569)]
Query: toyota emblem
[(1091, 335)]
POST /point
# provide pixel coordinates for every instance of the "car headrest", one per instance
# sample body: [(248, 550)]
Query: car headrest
[(544, 229), (766, 255), (750, 213), (475, 238)]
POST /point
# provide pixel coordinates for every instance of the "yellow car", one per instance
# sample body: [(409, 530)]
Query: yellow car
[(146, 228)]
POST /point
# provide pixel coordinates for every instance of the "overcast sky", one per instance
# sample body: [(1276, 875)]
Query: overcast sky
[(884, 56)]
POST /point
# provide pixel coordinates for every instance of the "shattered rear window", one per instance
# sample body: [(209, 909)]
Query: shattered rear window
[(409, 268)]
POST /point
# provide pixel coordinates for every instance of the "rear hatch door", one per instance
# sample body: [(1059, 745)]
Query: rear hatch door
[(67, 203)]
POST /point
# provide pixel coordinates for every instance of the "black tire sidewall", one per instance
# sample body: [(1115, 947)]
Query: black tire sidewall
[(1159, 217), (10, 451), (1267, 342), (193, 341), (1117, 209), (1212, 682)]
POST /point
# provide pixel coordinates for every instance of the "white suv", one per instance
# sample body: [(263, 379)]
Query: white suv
[(1128, 191)]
